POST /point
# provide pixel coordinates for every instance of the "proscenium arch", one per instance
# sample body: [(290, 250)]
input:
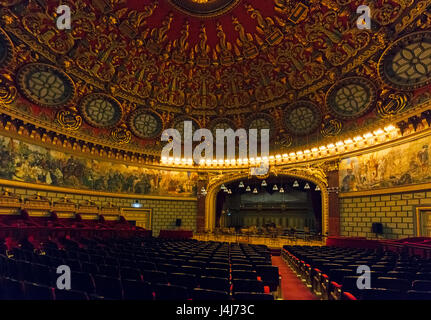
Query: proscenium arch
[(213, 189)]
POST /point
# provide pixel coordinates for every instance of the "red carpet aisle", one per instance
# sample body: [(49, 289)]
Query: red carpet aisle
[(291, 286)]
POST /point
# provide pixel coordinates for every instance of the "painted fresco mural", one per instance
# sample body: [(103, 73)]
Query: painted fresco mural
[(21, 161), (401, 165)]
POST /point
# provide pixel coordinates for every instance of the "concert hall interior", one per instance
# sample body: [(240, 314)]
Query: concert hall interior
[(227, 150)]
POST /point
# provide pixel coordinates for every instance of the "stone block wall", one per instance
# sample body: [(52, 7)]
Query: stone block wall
[(395, 211), (164, 211)]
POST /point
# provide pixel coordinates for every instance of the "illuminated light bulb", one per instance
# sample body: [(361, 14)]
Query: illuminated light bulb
[(317, 188), (358, 138), (208, 162), (275, 188), (248, 189), (164, 159), (296, 184), (314, 150), (348, 141), (223, 186), (307, 186), (171, 160), (281, 190), (264, 184), (221, 162), (241, 185), (368, 135), (300, 153), (285, 156), (255, 190), (378, 132), (331, 146), (389, 128), (292, 154), (278, 156), (322, 148), (190, 161), (229, 191), (202, 162), (214, 162), (307, 151), (339, 144)]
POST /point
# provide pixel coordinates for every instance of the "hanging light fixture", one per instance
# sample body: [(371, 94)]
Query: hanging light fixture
[(281, 190), (225, 190), (307, 186), (229, 191), (317, 188), (241, 185), (223, 187), (275, 188), (296, 184), (255, 190), (248, 189), (264, 183)]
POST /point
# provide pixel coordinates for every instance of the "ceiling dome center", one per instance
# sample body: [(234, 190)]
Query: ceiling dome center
[(204, 8)]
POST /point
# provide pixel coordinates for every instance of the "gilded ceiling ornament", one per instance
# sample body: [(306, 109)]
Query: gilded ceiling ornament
[(234, 93), (204, 8), (394, 104), (6, 49), (224, 48), (203, 86), (171, 91), (202, 49), (135, 19), (8, 91), (105, 54), (158, 36), (261, 121), (351, 97), (121, 134), (330, 127), (245, 40), (267, 88), (180, 46), (222, 124), (265, 26), (69, 119), (406, 64), (136, 80), (301, 70), (45, 85)]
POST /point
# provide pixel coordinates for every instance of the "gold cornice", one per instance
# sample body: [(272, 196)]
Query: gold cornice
[(48, 188), (392, 190)]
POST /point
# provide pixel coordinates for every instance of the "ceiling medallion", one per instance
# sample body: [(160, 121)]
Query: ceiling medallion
[(204, 8), (45, 85), (6, 49), (261, 121), (101, 110), (302, 117), (406, 64), (145, 124), (352, 97)]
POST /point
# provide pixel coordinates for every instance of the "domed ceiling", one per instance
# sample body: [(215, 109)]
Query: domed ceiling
[(128, 69)]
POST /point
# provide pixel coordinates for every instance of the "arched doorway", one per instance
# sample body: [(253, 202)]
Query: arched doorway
[(317, 177)]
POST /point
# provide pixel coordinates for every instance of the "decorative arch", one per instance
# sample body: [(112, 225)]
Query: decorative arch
[(315, 175)]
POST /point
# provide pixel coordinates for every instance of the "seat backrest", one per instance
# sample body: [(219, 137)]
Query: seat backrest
[(421, 285), (244, 285), (199, 294)]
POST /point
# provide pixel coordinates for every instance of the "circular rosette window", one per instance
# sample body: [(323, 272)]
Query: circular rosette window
[(180, 122), (145, 124), (261, 121), (351, 97), (221, 123), (302, 117), (406, 65), (45, 85), (6, 49), (101, 110)]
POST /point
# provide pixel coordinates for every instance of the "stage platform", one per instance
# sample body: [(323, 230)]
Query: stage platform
[(271, 242)]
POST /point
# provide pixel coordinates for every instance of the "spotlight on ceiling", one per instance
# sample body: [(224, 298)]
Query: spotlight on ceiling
[(296, 184), (317, 188), (275, 188), (248, 189), (281, 190), (264, 184), (203, 191), (255, 190), (307, 186), (241, 185), (223, 187)]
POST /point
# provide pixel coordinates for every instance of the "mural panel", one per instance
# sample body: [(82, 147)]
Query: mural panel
[(401, 165), (25, 162)]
